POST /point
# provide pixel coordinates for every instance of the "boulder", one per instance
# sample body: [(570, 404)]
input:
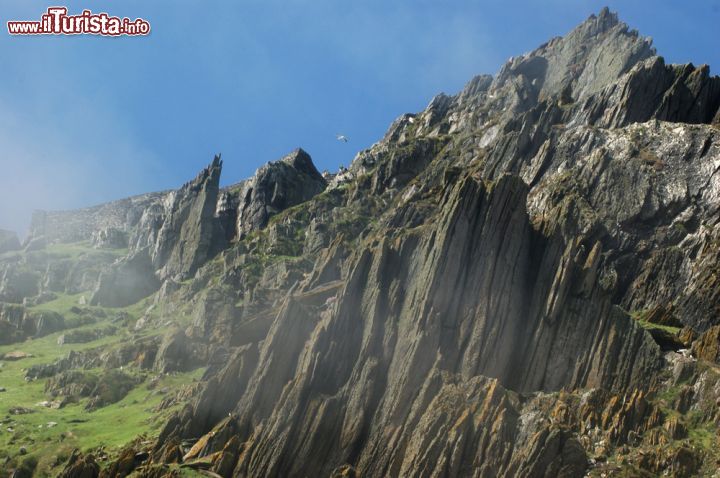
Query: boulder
[(16, 355)]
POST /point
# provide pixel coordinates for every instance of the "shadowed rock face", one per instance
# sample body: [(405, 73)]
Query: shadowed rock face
[(126, 282), (190, 233), (456, 302), (276, 187), (516, 222), (421, 320)]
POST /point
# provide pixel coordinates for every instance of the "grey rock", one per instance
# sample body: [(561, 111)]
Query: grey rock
[(80, 466), (453, 303), (44, 322), (175, 353), (126, 282), (80, 225), (190, 234), (35, 243), (276, 187), (17, 283), (109, 238)]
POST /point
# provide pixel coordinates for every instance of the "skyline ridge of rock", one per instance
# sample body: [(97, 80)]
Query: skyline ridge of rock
[(519, 280)]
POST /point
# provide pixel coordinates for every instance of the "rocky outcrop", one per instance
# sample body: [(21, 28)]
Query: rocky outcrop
[(707, 346), (400, 338), (511, 226), (79, 225), (109, 238), (12, 317), (592, 56), (17, 283), (126, 281), (190, 233), (176, 353), (80, 466), (19, 323), (467, 299), (43, 322), (276, 187), (678, 93)]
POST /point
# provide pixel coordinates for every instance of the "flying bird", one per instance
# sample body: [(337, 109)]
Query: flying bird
[(342, 137)]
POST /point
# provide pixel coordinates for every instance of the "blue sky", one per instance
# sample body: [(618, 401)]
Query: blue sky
[(85, 120)]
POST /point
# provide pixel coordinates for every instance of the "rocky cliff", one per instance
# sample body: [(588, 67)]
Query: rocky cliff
[(519, 280)]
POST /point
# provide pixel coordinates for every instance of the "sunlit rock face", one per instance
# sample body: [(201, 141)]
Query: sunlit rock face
[(276, 187), (470, 297)]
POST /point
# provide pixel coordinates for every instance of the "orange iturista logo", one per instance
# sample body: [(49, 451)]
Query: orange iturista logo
[(56, 21)]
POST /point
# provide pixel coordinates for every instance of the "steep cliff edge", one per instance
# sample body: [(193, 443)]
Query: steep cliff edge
[(496, 288), (510, 219)]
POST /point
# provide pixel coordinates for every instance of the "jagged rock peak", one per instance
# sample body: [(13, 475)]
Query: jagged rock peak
[(301, 160), (590, 57), (209, 175), (604, 21), (190, 234), (275, 187)]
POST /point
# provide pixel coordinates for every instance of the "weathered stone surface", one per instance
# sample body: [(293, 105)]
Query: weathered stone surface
[(16, 355), (19, 323), (79, 225), (454, 303), (35, 243), (85, 335), (707, 346), (43, 322), (109, 238), (190, 233), (337, 375), (80, 466), (126, 282), (680, 94), (276, 187), (17, 283), (175, 353)]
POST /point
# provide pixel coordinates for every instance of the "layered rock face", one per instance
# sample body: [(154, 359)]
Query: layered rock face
[(79, 225), (167, 236), (392, 377), (276, 187), (126, 282), (469, 298), (190, 233), (516, 223)]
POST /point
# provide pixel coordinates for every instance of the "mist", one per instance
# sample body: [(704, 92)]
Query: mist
[(86, 164)]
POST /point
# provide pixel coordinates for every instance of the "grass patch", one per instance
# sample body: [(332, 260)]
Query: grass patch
[(640, 316), (49, 435), (74, 250)]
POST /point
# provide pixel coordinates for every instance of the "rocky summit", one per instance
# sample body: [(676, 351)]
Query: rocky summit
[(520, 280)]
